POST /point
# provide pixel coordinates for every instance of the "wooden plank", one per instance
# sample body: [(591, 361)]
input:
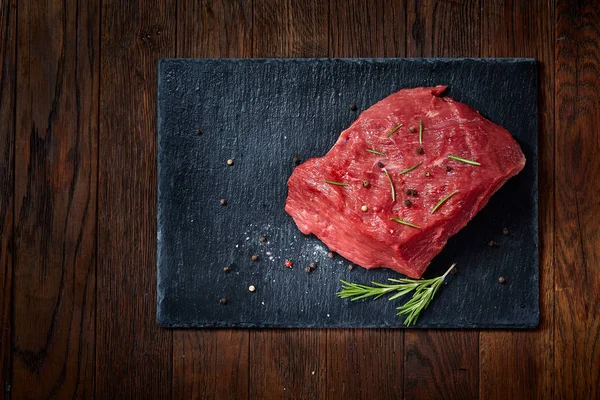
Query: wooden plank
[(365, 364), (442, 364), (134, 355), (577, 238), (364, 28), (282, 361), (367, 28), (55, 199), (212, 363), (8, 24), (516, 364)]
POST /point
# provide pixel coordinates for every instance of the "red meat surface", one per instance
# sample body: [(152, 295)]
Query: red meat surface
[(371, 239)]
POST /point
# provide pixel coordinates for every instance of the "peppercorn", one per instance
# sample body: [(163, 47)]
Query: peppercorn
[(505, 231), (230, 162), (227, 269), (288, 263), (312, 265), (412, 129), (331, 254), (408, 191), (414, 192), (365, 183), (350, 267), (307, 269), (262, 239), (254, 257), (420, 150), (353, 107), (296, 160), (223, 301), (407, 203), (448, 168), (223, 202), (492, 243), (365, 208), (251, 288), (427, 174), (501, 280), (380, 164), (198, 132)]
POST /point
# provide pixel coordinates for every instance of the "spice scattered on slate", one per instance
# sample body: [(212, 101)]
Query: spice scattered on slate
[(223, 202), (501, 280), (288, 264), (350, 267), (492, 243), (254, 257), (223, 301), (353, 107), (331, 254), (198, 132), (251, 288), (365, 208), (262, 239), (407, 203), (227, 269), (505, 231), (380, 164), (414, 192), (420, 150), (365, 183), (448, 168), (307, 269), (297, 160), (312, 265), (230, 162), (412, 129)]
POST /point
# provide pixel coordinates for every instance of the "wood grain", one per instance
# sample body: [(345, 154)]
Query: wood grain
[(442, 364), (55, 199), (577, 247), (282, 361), (134, 356), (366, 363), (367, 28), (8, 24), (212, 364), (515, 364)]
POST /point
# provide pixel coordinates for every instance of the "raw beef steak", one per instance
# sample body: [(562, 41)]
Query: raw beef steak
[(377, 197)]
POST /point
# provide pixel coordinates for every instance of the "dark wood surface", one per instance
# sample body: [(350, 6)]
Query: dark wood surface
[(78, 190)]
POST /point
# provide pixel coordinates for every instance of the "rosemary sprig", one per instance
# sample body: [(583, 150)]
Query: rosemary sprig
[(407, 170), (442, 201), (403, 222), (336, 183), (394, 130), (420, 131), (424, 291), (376, 152), (391, 184), (463, 160)]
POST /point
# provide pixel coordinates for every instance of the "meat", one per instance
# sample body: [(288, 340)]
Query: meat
[(356, 215)]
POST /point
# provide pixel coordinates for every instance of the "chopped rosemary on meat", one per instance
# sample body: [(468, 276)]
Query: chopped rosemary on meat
[(403, 222), (336, 183), (424, 291), (394, 130), (420, 131), (463, 160), (407, 170), (376, 152), (442, 201), (391, 184)]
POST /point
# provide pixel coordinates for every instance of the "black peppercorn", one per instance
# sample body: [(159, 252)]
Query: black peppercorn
[(262, 239), (198, 132), (296, 160), (420, 150), (380, 164), (408, 191), (414, 192), (407, 203), (448, 168), (353, 107)]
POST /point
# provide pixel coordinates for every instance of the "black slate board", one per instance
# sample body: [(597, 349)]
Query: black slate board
[(262, 113)]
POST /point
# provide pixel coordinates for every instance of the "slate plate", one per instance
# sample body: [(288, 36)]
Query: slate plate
[(261, 113)]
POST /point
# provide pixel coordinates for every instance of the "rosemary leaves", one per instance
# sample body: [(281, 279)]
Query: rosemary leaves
[(463, 160), (403, 222), (394, 130), (376, 152), (391, 184), (442, 201), (336, 183)]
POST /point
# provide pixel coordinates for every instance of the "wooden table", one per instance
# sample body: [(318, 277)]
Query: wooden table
[(78, 203)]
